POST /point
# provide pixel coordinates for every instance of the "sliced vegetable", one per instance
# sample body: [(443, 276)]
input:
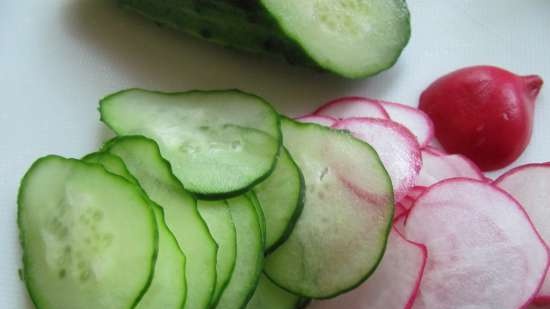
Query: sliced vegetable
[(218, 218), (352, 107), (142, 158), (89, 237), (219, 143), (396, 146), (250, 255), (168, 288), (413, 194), (251, 196), (341, 235), (281, 198), (483, 112), (318, 119), (439, 167), (413, 119), (394, 285), (530, 185), (483, 250), (270, 296), (350, 38)]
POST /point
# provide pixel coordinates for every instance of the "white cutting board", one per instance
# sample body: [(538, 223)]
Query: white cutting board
[(58, 57)]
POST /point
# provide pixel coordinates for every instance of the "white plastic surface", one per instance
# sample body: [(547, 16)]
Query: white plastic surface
[(57, 58)]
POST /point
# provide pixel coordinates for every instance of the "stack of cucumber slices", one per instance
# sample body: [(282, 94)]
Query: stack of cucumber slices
[(205, 199)]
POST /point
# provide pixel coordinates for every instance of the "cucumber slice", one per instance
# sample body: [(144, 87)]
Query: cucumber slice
[(143, 160), (270, 296), (355, 38), (219, 143), (89, 237), (217, 216), (281, 197), (250, 255), (168, 288), (341, 235), (261, 217)]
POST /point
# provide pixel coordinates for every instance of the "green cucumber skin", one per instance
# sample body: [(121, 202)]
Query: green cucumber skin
[(25, 258)]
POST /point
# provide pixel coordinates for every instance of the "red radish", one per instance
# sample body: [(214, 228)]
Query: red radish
[(439, 167), (413, 119), (396, 146), (434, 151), (352, 107), (393, 285), (530, 185), (484, 252), (320, 120), (483, 112)]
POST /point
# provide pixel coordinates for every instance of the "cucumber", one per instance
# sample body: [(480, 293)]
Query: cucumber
[(217, 216), (250, 255), (89, 237), (341, 235), (259, 211), (270, 296), (219, 143), (142, 158), (352, 38), (168, 288), (281, 198)]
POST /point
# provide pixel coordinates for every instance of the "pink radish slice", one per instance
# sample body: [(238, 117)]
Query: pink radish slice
[(352, 107), (393, 285), (439, 167), (530, 185), (399, 210), (411, 197), (434, 151), (399, 222), (484, 252), (396, 146), (320, 120), (414, 119)]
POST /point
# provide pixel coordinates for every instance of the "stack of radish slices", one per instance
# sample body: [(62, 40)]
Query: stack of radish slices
[(460, 240)]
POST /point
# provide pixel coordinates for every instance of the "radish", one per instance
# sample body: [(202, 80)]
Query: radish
[(326, 121), (413, 119), (399, 210), (434, 151), (393, 285), (395, 145), (530, 185), (439, 167), (352, 107), (483, 112), (484, 252), (411, 197)]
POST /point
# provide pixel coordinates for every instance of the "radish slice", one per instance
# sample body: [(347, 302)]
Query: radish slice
[(399, 222), (435, 151), (414, 119), (352, 107), (318, 119), (394, 284), (530, 185), (395, 145), (411, 197), (439, 167), (484, 251), (399, 210)]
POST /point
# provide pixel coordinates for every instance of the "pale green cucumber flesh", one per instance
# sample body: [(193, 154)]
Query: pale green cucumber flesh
[(281, 198), (168, 287), (143, 160), (269, 296), (218, 218), (219, 143), (341, 235), (261, 217), (89, 237), (250, 255)]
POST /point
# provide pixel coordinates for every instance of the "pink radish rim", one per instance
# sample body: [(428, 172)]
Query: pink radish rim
[(349, 98), (522, 210), (431, 127)]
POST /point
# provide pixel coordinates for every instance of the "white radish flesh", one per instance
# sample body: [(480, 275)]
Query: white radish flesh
[(484, 252), (393, 285), (396, 146), (439, 167), (352, 107), (317, 119), (413, 119), (530, 186)]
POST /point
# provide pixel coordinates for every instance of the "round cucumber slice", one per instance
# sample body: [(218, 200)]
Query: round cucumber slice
[(269, 296), (89, 237), (143, 160), (281, 198), (219, 143), (341, 235)]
